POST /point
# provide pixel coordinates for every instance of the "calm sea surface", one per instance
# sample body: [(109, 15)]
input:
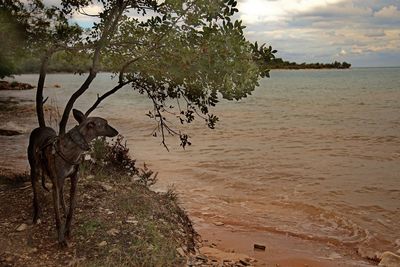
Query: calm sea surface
[(314, 154)]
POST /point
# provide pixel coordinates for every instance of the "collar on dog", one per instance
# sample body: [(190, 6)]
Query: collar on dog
[(56, 149), (78, 138)]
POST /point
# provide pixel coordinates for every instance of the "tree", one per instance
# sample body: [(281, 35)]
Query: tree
[(345, 65), (189, 51), (12, 31)]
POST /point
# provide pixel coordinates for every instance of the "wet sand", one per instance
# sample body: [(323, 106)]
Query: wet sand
[(282, 251)]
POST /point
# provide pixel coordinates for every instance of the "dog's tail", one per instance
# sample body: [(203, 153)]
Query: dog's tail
[(44, 183), (45, 163)]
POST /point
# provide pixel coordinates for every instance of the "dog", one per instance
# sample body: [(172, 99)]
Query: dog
[(58, 157)]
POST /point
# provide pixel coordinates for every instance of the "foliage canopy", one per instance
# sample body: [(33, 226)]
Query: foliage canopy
[(192, 51)]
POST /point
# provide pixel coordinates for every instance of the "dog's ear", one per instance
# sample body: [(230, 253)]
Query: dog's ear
[(78, 115)]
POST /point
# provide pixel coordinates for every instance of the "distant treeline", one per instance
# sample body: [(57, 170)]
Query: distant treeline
[(60, 62), (63, 62), (279, 63)]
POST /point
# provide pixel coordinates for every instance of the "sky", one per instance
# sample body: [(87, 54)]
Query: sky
[(365, 33), (362, 32)]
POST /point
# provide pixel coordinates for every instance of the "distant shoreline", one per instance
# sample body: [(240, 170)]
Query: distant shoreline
[(279, 63), (273, 68), (58, 65), (83, 73), (309, 69)]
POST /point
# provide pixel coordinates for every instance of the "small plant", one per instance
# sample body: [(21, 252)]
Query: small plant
[(171, 194), (146, 176), (114, 155), (90, 227), (14, 84), (119, 157), (100, 150)]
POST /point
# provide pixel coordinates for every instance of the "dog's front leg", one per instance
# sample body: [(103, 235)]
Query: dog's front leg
[(62, 200), (74, 181), (59, 223)]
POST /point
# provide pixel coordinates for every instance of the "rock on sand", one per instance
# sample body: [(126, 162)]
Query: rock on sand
[(389, 259), (22, 227)]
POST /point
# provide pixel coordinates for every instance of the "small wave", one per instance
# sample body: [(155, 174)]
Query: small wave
[(304, 221)]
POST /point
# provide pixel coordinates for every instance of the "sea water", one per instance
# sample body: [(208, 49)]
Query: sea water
[(311, 153)]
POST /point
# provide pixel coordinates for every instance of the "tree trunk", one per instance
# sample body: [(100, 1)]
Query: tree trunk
[(39, 91)]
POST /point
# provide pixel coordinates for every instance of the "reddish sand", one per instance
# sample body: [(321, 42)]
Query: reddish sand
[(280, 250)]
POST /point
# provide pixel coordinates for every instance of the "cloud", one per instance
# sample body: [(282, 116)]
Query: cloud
[(374, 33), (337, 11), (342, 52), (254, 11), (388, 12), (86, 14)]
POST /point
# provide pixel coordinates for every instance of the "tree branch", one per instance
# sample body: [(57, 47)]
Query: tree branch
[(109, 28), (189, 104), (105, 95), (162, 122)]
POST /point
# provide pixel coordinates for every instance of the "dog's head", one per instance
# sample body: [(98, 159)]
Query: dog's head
[(92, 127)]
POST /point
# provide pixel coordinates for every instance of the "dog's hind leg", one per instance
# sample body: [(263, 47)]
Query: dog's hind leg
[(36, 208), (44, 182), (74, 181)]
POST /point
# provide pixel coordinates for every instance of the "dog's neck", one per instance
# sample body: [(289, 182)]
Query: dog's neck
[(72, 145), (76, 136)]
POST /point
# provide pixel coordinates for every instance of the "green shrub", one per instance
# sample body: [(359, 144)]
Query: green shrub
[(112, 158)]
